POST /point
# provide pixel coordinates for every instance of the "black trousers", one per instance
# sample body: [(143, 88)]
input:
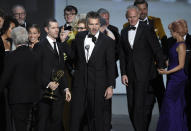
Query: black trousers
[(50, 116), (2, 112), (140, 104), (20, 113), (85, 112), (107, 114), (158, 89)]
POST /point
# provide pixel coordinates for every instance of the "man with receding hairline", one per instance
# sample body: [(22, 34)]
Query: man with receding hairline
[(19, 13), (138, 46), (156, 24)]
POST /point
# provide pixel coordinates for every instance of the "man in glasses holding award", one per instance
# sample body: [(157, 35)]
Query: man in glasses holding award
[(53, 80)]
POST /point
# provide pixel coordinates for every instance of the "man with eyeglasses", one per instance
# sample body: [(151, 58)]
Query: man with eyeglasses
[(19, 13), (70, 13)]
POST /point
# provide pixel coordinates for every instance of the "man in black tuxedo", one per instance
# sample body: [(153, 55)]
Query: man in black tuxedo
[(19, 13), (94, 75), (156, 24), (187, 67), (51, 60), (20, 76), (138, 46)]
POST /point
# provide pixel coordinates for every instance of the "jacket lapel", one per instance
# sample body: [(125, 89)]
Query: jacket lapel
[(127, 38), (81, 42), (137, 35), (49, 46), (97, 44)]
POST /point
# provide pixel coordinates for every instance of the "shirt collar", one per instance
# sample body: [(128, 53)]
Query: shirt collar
[(50, 40), (185, 37), (146, 19), (137, 24), (96, 35)]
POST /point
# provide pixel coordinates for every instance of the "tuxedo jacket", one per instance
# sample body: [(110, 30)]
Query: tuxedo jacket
[(50, 64), (99, 73), (156, 24), (139, 61), (115, 31), (20, 76), (2, 54)]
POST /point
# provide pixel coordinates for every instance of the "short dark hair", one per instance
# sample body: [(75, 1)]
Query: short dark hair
[(8, 20), (92, 14), (2, 14), (34, 26), (103, 11), (47, 22), (138, 2), (70, 8)]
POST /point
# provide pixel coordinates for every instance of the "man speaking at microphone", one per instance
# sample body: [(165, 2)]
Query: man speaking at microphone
[(94, 75)]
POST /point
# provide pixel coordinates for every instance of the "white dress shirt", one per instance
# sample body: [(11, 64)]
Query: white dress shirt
[(51, 41), (131, 35), (146, 19), (88, 41)]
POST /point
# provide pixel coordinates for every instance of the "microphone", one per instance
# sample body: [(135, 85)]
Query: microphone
[(87, 47)]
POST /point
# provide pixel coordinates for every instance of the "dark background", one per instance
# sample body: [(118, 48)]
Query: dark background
[(37, 10)]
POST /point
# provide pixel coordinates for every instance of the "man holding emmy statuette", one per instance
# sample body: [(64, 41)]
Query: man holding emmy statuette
[(54, 85)]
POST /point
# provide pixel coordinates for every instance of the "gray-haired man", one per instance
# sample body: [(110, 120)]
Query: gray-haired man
[(20, 76)]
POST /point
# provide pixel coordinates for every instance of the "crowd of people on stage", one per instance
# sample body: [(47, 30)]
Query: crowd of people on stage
[(64, 81)]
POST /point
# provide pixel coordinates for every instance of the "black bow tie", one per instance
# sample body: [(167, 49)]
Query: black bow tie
[(132, 28), (93, 37)]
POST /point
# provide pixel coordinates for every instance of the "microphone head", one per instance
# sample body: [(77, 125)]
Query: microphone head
[(87, 47)]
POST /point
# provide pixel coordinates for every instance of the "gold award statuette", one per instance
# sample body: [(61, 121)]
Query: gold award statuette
[(50, 94)]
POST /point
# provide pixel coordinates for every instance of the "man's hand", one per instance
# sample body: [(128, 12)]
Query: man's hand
[(53, 85), (64, 34), (163, 71), (124, 80), (108, 93), (68, 95)]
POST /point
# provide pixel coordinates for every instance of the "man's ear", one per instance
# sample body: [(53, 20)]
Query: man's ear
[(46, 29)]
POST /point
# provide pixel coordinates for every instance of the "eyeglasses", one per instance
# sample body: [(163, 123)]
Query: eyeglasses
[(80, 28), (19, 14), (69, 14)]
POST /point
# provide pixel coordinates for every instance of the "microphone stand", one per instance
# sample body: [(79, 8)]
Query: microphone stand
[(86, 92)]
